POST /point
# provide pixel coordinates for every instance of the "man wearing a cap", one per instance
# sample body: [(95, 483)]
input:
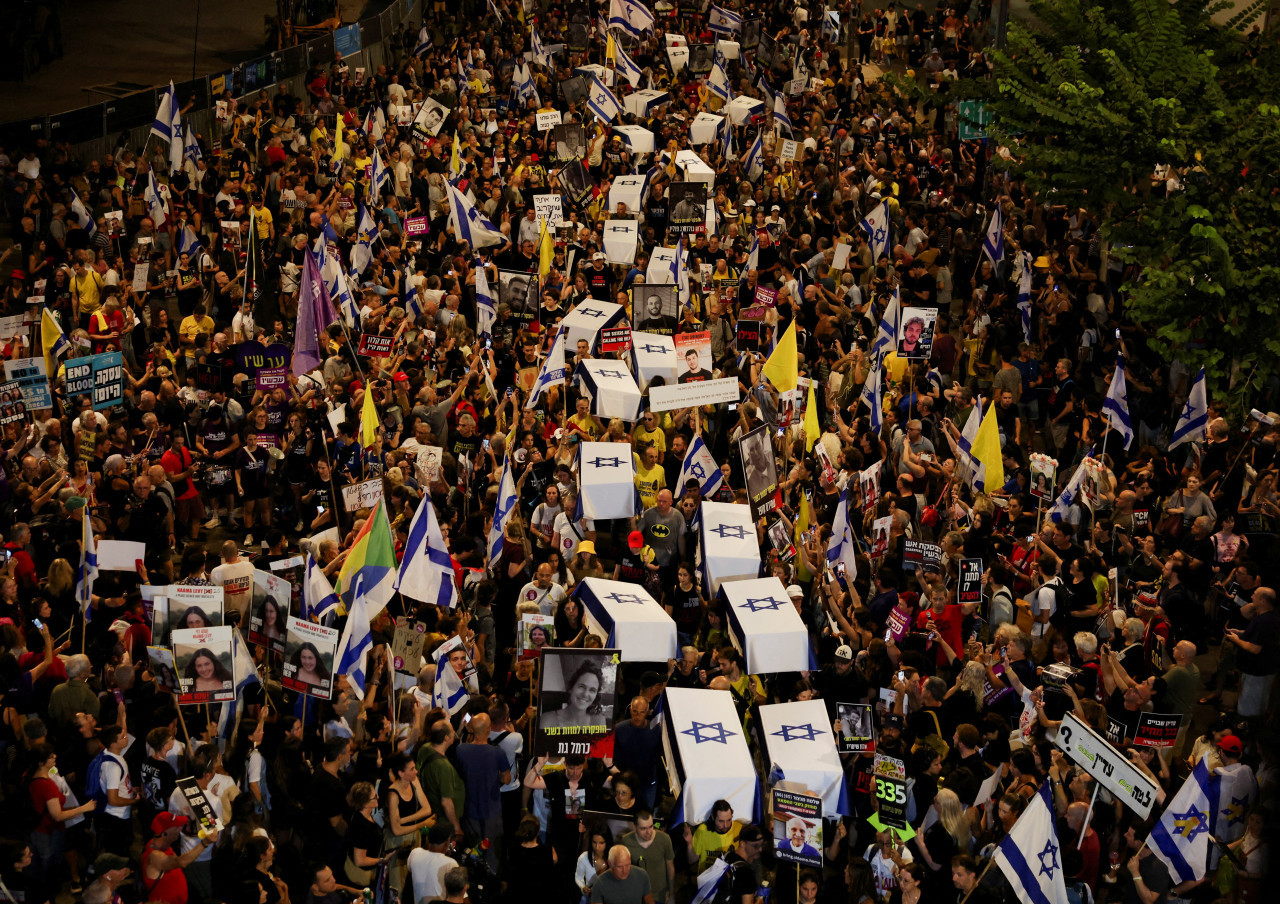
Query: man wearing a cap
[(599, 278), (163, 873), (110, 871), (428, 865)]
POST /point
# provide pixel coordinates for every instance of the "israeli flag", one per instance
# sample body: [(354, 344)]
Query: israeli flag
[(831, 24), (977, 474), (424, 42), (522, 84), (700, 466), (879, 231), (381, 175), (552, 373), (157, 208), (357, 640), (841, 548), (191, 149), (753, 256), (486, 310), (469, 224), (632, 17), (1115, 407), (723, 22), (623, 65), (887, 335), (335, 281), (601, 102), (502, 510), (727, 150), (1183, 837), (873, 392), (81, 214), (1024, 294), (319, 601), (188, 242), (413, 303), (780, 118), (88, 570), (244, 673), (1194, 417), (1067, 498), (449, 693), (710, 880), (754, 163), (493, 8), (680, 268), (1030, 856), (176, 146), (426, 570), (540, 55), (993, 244), (718, 80), (362, 250), (162, 127)]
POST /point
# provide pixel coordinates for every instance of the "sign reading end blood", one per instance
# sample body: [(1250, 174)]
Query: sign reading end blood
[(375, 346), (417, 226)]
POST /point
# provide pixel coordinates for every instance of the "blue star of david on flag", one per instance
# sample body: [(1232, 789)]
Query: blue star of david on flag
[(612, 374), (879, 236), (623, 598), (606, 462), (734, 531), (797, 733), (591, 312), (697, 470), (1191, 823), (720, 736), (1048, 859), (755, 605), (653, 349)]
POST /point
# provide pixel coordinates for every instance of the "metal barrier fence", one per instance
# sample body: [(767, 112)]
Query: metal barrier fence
[(94, 131)]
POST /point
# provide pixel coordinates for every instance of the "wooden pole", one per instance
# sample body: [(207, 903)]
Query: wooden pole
[(185, 733)]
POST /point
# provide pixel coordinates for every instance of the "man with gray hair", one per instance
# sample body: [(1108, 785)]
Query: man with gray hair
[(919, 443), (74, 695)]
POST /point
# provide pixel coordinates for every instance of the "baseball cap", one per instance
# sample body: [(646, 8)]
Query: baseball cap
[(598, 256), (635, 539), (892, 720), (1231, 744), (844, 652), (166, 821), (105, 863), (794, 590), (75, 502), (750, 834), (749, 203), (775, 207), (649, 679)]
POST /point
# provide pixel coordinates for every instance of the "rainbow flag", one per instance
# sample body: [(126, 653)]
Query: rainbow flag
[(370, 566)]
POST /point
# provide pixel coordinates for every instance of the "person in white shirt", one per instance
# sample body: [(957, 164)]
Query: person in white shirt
[(543, 592), (427, 866)]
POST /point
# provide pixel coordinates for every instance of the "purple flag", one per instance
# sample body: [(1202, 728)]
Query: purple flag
[(315, 313)]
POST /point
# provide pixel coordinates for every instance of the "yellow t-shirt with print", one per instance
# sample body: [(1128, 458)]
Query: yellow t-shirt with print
[(641, 437), (650, 482), (588, 425)]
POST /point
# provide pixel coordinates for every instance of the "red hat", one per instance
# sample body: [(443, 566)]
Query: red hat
[(18, 274), (635, 539), (401, 377), (166, 821), (1231, 744)]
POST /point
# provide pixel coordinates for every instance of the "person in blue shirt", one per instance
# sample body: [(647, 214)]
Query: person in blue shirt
[(795, 844)]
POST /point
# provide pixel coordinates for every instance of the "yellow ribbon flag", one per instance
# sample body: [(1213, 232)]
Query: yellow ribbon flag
[(339, 149), (797, 537), (455, 159), (368, 419), (546, 250), (986, 450), (610, 51), (783, 366), (812, 429)]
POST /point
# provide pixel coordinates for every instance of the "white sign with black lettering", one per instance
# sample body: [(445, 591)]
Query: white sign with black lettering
[(1106, 764)]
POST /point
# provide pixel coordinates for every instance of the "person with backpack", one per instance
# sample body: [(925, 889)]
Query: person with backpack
[(108, 783)]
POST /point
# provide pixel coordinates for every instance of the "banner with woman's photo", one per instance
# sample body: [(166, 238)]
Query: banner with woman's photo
[(204, 662), (537, 632), (192, 606), (309, 650), (1044, 470), (269, 611), (577, 694)]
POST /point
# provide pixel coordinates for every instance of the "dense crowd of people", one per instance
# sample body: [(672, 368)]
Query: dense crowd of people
[(1112, 567)]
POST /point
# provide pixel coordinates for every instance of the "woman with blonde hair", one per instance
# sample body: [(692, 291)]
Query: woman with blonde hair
[(60, 583), (949, 836)]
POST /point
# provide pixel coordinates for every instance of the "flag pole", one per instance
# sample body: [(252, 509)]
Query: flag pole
[(1088, 814), (978, 882)]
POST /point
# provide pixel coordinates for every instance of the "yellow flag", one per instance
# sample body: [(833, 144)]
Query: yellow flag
[(368, 419), (986, 450), (546, 250), (53, 340), (812, 429), (797, 537), (610, 51), (783, 366), (339, 149), (455, 159)]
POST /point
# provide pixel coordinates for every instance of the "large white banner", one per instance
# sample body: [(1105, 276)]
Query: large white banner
[(687, 395)]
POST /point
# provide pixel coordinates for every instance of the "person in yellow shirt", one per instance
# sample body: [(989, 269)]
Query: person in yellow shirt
[(649, 431), (197, 324), (262, 216), (86, 291), (650, 477), (585, 424)]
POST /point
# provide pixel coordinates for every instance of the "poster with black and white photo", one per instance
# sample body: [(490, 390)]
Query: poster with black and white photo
[(915, 338), (655, 309), (759, 469), (688, 204), (577, 694), (203, 659), (308, 658), (578, 31), (701, 57), (519, 291), (750, 38), (570, 142), (766, 48), (576, 181), (574, 89), (857, 728), (430, 118)]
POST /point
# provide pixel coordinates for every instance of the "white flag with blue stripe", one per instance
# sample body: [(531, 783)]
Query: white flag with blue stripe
[(449, 693), (625, 66), (191, 147), (523, 85), (1194, 417), (244, 673), (727, 150), (754, 164), (632, 17), (700, 466), (879, 231), (780, 117), (319, 600), (486, 310), (88, 570), (335, 282), (502, 510), (1030, 856), (710, 879), (723, 22), (841, 549), (1067, 498), (1115, 407), (469, 224), (887, 335), (357, 640), (601, 101), (176, 146), (157, 207), (873, 392), (493, 8), (362, 250), (680, 269), (381, 175), (539, 51), (553, 371), (426, 570), (1183, 837), (81, 214), (718, 80), (162, 127), (993, 243), (189, 243), (424, 42), (753, 256)]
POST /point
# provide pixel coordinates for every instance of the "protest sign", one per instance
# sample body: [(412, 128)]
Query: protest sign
[(1156, 730), (547, 119), (202, 812), (970, 590), (687, 395), (759, 467), (32, 377), (417, 226), (693, 352), (269, 610), (880, 536), (891, 800), (375, 346), (269, 378), (1109, 767), (748, 335), (797, 827), (857, 730), (577, 692), (406, 647), (536, 632), (614, 339), (12, 408), (549, 208), (108, 380), (361, 495), (203, 660), (309, 650), (917, 554)]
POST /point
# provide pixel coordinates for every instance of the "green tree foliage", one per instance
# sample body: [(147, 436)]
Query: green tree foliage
[(1092, 96)]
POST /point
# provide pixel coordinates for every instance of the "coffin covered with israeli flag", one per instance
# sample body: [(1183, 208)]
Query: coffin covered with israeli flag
[(588, 319), (639, 103), (662, 263), (628, 190), (638, 138), (742, 108), (764, 626), (610, 388), (653, 356), (800, 749), (625, 616), (607, 481), (730, 551), (694, 169), (706, 756), (704, 129), (604, 74)]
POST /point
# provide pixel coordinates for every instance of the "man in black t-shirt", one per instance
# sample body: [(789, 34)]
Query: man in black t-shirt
[(1061, 403)]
